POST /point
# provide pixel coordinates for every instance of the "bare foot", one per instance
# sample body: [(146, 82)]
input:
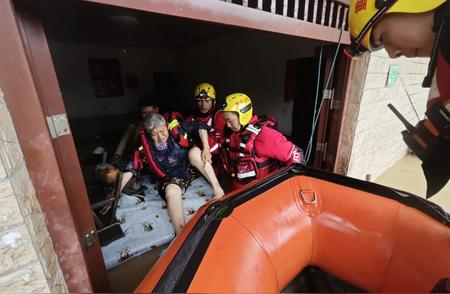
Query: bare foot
[(178, 229), (218, 193)]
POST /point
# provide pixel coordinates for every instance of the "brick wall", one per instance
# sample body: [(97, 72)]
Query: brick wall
[(28, 262), (377, 142)]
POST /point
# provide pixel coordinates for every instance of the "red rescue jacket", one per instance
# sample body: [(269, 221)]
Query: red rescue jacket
[(257, 150)]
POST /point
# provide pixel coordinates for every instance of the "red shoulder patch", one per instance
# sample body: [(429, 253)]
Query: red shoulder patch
[(360, 5)]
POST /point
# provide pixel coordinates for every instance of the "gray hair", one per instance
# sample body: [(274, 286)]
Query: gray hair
[(154, 121)]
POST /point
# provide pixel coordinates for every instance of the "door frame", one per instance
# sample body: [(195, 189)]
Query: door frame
[(321, 137), (345, 68), (329, 128), (32, 94)]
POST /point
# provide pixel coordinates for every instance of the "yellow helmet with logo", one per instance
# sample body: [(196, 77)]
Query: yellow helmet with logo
[(364, 14), (205, 90), (242, 105)]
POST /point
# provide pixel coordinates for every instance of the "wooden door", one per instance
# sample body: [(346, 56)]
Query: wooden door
[(334, 104), (43, 72)]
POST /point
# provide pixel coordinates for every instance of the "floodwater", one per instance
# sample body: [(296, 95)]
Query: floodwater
[(407, 175)]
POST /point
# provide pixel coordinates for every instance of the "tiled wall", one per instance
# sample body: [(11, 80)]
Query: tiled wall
[(377, 142), (28, 262)]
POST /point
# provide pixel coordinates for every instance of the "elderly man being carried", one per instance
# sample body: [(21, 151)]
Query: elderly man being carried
[(165, 151)]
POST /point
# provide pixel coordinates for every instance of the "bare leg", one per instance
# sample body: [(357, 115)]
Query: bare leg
[(126, 177), (206, 169), (175, 207)]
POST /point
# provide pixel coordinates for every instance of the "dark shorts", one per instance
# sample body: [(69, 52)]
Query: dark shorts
[(182, 183)]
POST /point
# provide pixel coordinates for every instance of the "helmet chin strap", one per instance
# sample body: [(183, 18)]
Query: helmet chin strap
[(243, 127), (354, 48), (427, 81), (201, 114)]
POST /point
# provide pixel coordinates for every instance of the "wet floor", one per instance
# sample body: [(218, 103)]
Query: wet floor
[(126, 277), (407, 175)]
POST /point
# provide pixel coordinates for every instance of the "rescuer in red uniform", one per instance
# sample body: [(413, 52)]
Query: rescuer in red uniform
[(252, 147), (206, 112), (414, 29)]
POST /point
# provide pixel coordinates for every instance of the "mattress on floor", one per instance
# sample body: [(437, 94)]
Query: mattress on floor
[(146, 223)]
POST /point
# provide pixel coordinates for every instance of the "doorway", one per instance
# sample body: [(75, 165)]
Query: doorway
[(304, 86), (264, 81)]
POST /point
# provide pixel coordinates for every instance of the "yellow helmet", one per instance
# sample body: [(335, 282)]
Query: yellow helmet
[(242, 105), (205, 90), (364, 14)]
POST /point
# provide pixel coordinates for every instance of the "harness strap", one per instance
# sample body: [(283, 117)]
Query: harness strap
[(148, 155), (439, 115), (266, 163)]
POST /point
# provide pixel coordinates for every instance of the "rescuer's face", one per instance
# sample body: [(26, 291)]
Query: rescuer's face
[(232, 120), (204, 105), (405, 34)]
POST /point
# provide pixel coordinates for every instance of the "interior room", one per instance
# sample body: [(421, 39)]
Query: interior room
[(108, 59)]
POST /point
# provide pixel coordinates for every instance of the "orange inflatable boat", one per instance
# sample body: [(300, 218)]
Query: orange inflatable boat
[(261, 238)]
